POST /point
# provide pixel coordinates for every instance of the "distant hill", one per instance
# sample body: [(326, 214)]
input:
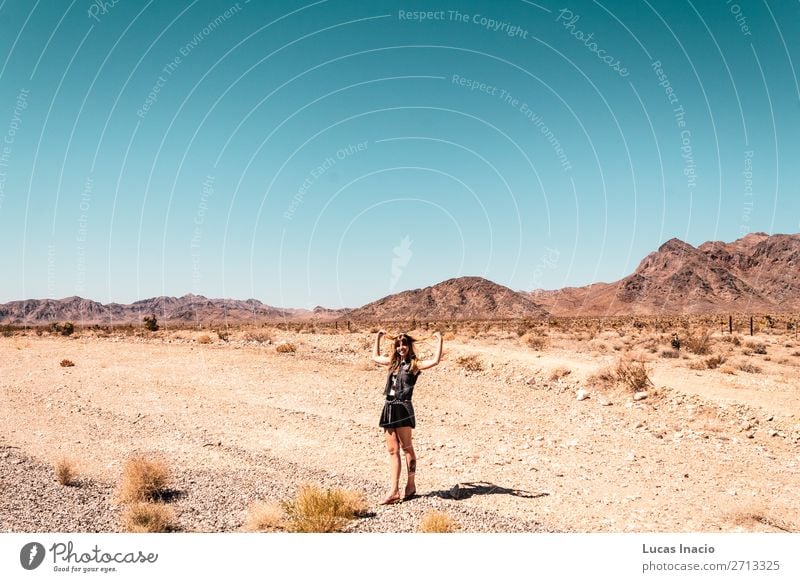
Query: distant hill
[(757, 273), (463, 298), (185, 310)]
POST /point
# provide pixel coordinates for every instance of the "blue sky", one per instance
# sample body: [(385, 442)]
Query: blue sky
[(332, 152)]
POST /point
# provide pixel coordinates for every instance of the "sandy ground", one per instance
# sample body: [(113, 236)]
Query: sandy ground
[(708, 450)]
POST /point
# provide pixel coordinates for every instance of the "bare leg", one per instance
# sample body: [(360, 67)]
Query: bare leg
[(404, 435), (393, 447)]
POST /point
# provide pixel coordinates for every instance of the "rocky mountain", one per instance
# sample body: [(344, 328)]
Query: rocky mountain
[(187, 309), (757, 273), (463, 298)]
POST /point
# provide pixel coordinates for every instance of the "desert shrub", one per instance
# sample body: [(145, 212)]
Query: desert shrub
[(150, 322), (143, 479), (536, 342), (223, 335), (64, 328), (286, 348), (732, 339), (603, 377), (204, 339), (265, 517), (699, 343), (749, 368), (261, 337), (670, 354), (316, 511), (559, 373), (714, 361), (756, 347), (796, 354), (66, 363), (632, 374), (146, 517), (65, 472), (437, 522), (471, 363)]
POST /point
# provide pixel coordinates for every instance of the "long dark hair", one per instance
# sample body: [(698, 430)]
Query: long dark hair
[(394, 363)]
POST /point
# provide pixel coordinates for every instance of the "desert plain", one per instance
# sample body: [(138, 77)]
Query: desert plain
[(518, 430)]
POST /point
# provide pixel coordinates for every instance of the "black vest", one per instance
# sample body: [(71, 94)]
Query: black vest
[(404, 388)]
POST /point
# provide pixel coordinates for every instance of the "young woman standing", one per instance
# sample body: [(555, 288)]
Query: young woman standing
[(397, 417)]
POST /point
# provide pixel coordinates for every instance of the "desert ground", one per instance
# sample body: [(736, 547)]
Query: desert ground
[(517, 430)]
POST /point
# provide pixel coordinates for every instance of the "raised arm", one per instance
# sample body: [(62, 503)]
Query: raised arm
[(425, 364), (376, 353)]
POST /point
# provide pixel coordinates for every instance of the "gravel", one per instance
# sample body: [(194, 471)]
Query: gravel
[(32, 500)]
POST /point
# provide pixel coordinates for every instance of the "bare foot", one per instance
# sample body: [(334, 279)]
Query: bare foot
[(392, 498), (410, 494)]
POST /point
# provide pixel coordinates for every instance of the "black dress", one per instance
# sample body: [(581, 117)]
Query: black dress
[(397, 409)]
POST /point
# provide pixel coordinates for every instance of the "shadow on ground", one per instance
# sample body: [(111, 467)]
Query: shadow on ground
[(467, 490)]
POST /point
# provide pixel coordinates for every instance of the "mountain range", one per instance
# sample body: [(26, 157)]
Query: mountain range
[(758, 273), (754, 274)]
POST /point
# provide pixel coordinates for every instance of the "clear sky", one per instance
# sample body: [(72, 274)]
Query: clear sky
[(332, 152)]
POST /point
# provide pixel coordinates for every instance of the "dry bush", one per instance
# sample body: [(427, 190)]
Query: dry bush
[(732, 339), (265, 517), (559, 373), (714, 361), (796, 354), (146, 517), (748, 367), (316, 511), (437, 522), (66, 474), (650, 344), (64, 328), (699, 343), (286, 348), (755, 347), (632, 374), (355, 502), (536, 342), (471, 363), (670, 354), (448, 336), (603, 377), (204, 339), (143, 479), (258, 336), (67, 363)]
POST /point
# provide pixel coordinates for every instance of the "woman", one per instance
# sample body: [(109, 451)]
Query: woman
[(397, 417)]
